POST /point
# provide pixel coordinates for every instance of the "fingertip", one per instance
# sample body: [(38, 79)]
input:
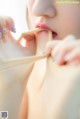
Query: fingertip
[(12, 28), (11, 24)]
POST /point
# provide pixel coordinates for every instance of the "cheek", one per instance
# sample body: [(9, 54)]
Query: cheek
[(69, 19)]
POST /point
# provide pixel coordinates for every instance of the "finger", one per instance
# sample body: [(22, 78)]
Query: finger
[(50, 46), (61, 44), (73, 55), (59, 51), (3, 32), (28, 46), (59, 58), (6, 25), (69, 38), (25, 40), (3, 29), (66, 44), (3, 25), (10, 24)]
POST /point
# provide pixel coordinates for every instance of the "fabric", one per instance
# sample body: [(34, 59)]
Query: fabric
[(58, 95), (15, 69)]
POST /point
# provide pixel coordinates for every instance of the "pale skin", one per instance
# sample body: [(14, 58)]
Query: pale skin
[(65, 20)]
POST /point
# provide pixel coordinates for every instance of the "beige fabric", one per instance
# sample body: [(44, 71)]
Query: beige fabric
[(53, 90), (13, 79), (15, 69)]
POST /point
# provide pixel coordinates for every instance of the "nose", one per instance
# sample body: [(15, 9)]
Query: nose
[(44, 8)]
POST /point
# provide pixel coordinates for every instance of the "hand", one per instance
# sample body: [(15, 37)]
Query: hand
[(66, 51), (6, 25), (13, 80), (9, 45)]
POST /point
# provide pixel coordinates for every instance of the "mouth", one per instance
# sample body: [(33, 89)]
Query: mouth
[(44, 26)]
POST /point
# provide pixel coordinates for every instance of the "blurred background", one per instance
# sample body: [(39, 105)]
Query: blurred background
[(17, 10)]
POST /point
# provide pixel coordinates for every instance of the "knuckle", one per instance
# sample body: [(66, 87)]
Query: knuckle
[(69, 38), (60, 49)]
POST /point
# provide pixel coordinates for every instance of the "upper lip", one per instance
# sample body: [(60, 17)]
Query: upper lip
[(43, 26)]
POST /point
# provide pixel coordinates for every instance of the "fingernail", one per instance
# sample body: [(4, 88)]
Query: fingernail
[(12, 28)]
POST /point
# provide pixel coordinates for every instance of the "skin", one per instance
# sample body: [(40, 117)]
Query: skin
[(63, 19)]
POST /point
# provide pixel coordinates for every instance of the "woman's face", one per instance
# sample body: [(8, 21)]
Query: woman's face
[(63, 19)]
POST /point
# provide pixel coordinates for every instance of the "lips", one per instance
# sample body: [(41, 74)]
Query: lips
[(44, 26)]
